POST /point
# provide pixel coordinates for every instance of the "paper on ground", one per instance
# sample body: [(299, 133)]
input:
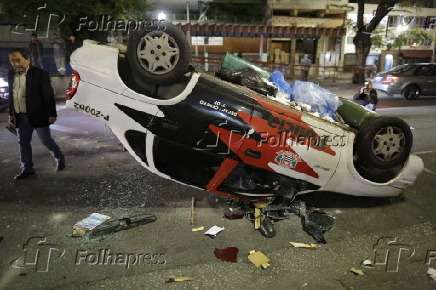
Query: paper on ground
[(91, 222), (432, 273), (213, 231)]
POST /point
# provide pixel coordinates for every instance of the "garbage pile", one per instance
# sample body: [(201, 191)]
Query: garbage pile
[(301, 95)]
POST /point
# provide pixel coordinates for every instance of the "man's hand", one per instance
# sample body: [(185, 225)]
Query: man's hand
[(51, 120)]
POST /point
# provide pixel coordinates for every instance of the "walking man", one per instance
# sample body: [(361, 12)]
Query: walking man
[(305, 67), (32, 107)]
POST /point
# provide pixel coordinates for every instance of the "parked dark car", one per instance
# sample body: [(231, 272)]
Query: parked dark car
[(409, 80)]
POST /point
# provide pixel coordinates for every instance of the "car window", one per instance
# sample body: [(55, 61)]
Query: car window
[(401, 68), (425, 70), (432, 71)]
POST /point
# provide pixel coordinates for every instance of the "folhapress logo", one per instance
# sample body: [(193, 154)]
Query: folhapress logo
[(389, 253), (38, 254), (104, 257), (36, 15)]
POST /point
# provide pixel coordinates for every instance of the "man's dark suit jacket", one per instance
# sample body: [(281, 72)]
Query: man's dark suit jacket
[(40, 102)]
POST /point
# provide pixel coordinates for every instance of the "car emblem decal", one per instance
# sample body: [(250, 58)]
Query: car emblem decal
[(240, 144), (287, 159)]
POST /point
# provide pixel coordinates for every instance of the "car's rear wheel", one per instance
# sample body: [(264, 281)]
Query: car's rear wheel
[(383, 142), (411, 92), (159, 56)]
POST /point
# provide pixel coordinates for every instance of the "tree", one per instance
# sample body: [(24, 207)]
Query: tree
[(362, 41)]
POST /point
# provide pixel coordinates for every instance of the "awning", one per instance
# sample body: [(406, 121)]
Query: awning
[(416, 53)]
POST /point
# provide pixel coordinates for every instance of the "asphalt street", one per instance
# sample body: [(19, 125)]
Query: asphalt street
[(37, 214)]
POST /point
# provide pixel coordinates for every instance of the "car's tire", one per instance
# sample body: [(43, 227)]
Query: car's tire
[(159, 56), (383, 142), (411, 92)]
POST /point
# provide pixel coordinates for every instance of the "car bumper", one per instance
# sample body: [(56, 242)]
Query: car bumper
[(348, 181), (389, 89)]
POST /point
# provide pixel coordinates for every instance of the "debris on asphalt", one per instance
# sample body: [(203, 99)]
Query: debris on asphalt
[(192, 210), (79, 232), (356, 271), (91, 222), (198, 229), (213, 231), (178, 279), (345, 285), (315, 223), (304, 246), (367, 263), (123, 224), (229, 254), (259, 259), (432, 273)]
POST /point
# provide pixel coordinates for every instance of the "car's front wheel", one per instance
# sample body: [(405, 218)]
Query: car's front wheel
[(159, 56), (411, 92), (383, 142)]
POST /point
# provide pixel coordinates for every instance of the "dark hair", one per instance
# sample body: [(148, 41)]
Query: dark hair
[(34, 34), (20, 50)]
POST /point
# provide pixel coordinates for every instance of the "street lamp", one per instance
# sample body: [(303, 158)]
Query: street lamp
[(161, 16)]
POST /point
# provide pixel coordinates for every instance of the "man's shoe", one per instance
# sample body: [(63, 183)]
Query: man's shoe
[(60, 166), (24, 174)]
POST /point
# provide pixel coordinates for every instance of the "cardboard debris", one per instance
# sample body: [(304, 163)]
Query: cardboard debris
[(178, 279), (91, 222), (304, 246), (198, 229), (367, 263), (356, 271), (213, 231), (259, 259), (192, 220), (432, 273), (79, 232)]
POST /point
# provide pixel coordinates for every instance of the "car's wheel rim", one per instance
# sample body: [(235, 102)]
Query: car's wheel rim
[(412, 93), (158, 53), (388, 143)]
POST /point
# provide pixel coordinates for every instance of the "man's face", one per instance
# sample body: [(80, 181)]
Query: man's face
[(19, 63)]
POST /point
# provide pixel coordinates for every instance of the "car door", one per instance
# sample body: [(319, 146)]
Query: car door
[(425, 78)]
